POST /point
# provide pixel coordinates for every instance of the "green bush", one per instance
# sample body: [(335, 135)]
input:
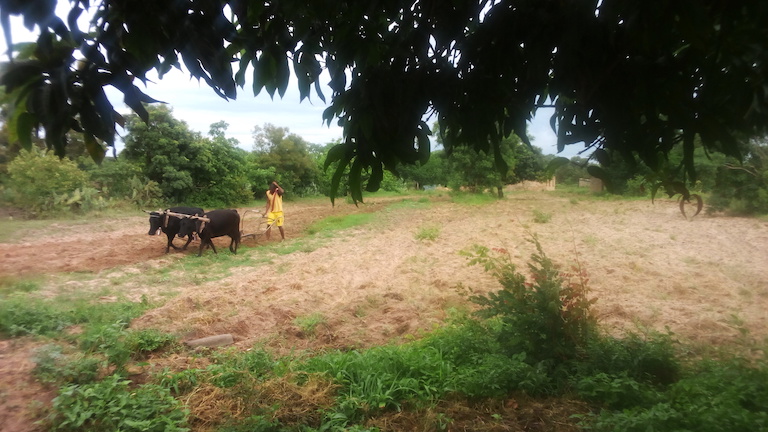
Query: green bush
[(116, 404), (142, 342), (714, 396), (41, 182), (547, 318), (53, 365), (22, 316), (646, 359), (742, 188)]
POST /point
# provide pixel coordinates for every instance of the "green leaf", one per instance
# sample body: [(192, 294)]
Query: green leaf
[(336, 179), (24, 125), (602, 157), (95, 149), (355, 174), (282, 75), (377, 175), (597, 172), (334, 154), (555, 164)]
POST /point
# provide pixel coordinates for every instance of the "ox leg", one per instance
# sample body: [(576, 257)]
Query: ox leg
[(170, 244), (236, 242), (204, 243), (189, 240)]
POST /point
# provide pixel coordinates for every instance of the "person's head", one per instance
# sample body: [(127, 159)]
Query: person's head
[(272, 187)]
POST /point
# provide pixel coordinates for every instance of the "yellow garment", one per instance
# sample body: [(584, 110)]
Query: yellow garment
[(275, 202), (276, 218)]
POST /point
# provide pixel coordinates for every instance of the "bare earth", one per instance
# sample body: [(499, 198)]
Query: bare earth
[(649, 268)]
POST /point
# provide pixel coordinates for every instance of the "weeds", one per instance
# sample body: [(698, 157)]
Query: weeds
[(308, 323), (337, 223), (55, 366), (430, 233), (115, 404), (541, 217)]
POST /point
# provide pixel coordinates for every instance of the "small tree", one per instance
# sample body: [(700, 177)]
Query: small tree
[(743, 188), (39, 179), (290, 156)]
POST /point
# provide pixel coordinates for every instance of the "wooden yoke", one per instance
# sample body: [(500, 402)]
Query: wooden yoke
[(186, 216)]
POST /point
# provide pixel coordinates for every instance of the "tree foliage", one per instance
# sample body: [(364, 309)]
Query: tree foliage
[(41, 182), (742, 188), (638, 77), (291, 157), (188, 167)]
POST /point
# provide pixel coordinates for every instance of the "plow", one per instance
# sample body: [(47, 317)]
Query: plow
[(254, 227)]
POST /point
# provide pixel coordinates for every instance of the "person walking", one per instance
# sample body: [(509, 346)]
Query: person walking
[(274, 210)]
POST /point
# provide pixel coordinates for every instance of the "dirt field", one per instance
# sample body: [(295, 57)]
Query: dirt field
[(704, 279)]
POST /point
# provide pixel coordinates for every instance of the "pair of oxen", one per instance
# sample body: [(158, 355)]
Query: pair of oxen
[(188, 221)]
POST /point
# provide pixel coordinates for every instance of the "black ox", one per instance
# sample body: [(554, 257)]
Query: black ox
[(161, 220), (215, 223)]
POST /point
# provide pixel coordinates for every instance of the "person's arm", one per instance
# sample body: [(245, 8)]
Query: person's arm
[(269, 204)]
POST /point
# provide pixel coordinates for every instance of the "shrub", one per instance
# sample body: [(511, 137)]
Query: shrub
[(53, 365), (41, 182), (21, 316), (115, 404), (548, 317), (541, 217), (430, 233), (715, 396)]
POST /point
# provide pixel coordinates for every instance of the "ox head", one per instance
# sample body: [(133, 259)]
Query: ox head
[(190, 225), (155, 221)]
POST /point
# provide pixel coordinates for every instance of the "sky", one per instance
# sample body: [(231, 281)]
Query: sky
[(196, 104)]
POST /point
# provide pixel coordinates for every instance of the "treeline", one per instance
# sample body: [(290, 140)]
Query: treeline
[(738, 187), (164, 162)]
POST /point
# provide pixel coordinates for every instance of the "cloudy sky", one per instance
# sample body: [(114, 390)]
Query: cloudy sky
[(197, 105)]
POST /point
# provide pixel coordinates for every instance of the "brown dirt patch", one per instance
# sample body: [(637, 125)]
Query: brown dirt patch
[(704, 279)]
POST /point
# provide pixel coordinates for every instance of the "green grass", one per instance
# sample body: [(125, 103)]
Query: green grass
[(330, 224), (470, 199), (26, 314), (11, 284), (408, 204), (309, 323), (541, 217), (429, 233)]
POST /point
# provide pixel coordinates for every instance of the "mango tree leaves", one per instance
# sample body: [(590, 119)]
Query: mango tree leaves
[(637, 78)]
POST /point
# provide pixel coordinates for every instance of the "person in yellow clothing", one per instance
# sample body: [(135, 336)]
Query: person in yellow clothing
[(274, 209)]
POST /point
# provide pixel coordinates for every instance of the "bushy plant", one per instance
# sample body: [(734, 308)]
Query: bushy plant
[(430, 233), (547, 317), (37, 178), (650, 358), (144, 193), (116, 404), (22, 315), (143, 342), (541, 217), (109, 341), (54, 365), (715, 396), (384, 377)]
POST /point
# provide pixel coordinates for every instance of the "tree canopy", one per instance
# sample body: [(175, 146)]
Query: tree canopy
[(637, 77)]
